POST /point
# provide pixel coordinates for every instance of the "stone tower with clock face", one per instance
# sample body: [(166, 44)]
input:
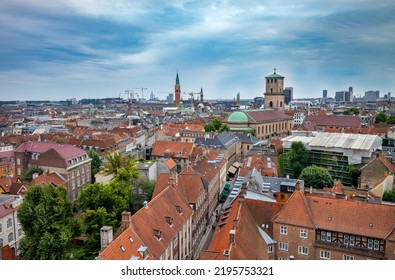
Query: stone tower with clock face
[(274, 95)]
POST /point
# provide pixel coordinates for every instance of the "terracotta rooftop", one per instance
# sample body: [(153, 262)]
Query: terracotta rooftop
[(49, 179), (259, 116), (125, 247), (350, 216), (336, 121), (153, 217), (248, 245), (172, 149), (66, 151)]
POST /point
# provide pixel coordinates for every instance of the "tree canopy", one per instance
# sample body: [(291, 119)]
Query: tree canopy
[(28, 172), (389, 196), (214, 125), (381, 118), (296, 158), (316, 177), (46, 216), (351, 111), (96, 161)]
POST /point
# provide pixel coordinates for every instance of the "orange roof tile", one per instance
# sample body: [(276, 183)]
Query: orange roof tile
[(124, 247), (154, 216), (162, 183), (172, 149)]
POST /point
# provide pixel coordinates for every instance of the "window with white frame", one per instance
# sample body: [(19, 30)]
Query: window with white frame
[(370, 243), (10, 237), (376, 245), (328, 236), (348, 257), (283, 230), (325, 254), (270, 249), (283, 246), (303, 250), (9, 223), (303, 233), (323, 235)]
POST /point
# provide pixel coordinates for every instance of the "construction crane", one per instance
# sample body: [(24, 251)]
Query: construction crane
[(142, 91), (191, 95)]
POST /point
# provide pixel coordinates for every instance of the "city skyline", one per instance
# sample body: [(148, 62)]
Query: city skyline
[(97, 49)]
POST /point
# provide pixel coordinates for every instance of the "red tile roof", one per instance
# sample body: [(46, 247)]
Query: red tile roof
[(66, 151), (249, 244), (124, 247), (349, 216), (162, 183), (154, 217), (172, 149), (49, 179), (336, 121), (7, 253)]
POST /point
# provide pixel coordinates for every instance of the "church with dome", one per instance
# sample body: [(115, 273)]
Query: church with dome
[(267, 122)]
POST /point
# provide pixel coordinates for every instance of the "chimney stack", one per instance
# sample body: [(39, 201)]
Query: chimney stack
[(106, 237)]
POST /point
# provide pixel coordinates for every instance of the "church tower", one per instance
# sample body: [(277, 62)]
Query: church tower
[(274, 95), (177, 92)]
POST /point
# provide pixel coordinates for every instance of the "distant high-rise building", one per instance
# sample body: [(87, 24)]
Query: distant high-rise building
[(288, 94), (344, 96), (372, 95), (170, 98), (350, 89), (238, 99), (152, 96), (177, 91), (259, 101), (325, 94), (274, 95)]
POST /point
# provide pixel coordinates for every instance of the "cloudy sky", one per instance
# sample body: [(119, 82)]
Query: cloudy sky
[(99, 48)]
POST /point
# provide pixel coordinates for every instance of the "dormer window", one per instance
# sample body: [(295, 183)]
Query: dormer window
[(157, 233), (179, 209), (169, 220)]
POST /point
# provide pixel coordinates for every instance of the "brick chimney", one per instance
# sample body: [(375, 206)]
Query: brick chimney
[(126, 220)]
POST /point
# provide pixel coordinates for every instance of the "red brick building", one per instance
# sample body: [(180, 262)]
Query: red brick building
[(72, 163), (313, 227)]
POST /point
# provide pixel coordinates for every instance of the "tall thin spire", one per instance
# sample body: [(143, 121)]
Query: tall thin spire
[(177, 80)]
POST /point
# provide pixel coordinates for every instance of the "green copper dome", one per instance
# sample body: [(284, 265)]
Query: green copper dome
[(238, 117)]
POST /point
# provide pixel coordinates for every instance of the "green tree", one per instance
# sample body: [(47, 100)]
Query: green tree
[(354, 172), (250, 131), (223, 127), (102, 205), (60, 141), (46, 216), (214, 125), (28, 173), (316, 177), (296, 158), (113, 162), (381, 117), (143, 192), (391, 120), (389, 196), (96, 162), (280, 161), (351, 111)]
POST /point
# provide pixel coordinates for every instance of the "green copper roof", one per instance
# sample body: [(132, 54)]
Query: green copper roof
[(177, 80), (274, 75), (238, 117)]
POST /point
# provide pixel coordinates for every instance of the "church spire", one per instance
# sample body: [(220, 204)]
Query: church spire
[(177, 80)]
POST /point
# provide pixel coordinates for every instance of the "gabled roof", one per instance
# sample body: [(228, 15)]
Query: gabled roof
[(162, 182), (249, 243), (172, 149), (266, 115), (64, 150), (328, 213), (53, 178), (336, 121), (153, 217), (382, 158), (191, 186), (125, 247), (296, 212)]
